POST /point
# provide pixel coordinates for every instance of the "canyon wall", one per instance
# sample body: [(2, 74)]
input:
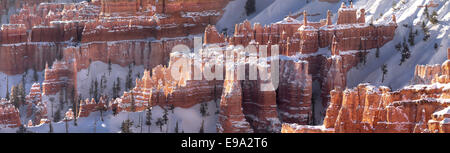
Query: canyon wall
[(87, 26), (421, 108)]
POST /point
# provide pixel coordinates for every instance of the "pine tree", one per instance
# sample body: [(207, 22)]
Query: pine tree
[(118, 87), (433, 18), (109, 66), (398, 47), (114, 89), (7, 89), (14, 96), (425, 31), (96, 90), (148, 118), (172, 108), (21, 92), (91, 88), (405, 53), (384, 70), (202, 127), (203, 109), (126, 126), (50, 126), (411, 37), (250, 7), (427, 15), (160, 123), (35, 75), (75, 114), (22, 129), (176, 127), (129, 81), (377, 53), (57, 116)]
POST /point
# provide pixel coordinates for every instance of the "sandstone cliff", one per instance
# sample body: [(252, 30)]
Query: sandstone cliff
[(416, 108)]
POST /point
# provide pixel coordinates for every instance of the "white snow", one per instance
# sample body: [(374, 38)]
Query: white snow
[(189, 120), (422, 52)]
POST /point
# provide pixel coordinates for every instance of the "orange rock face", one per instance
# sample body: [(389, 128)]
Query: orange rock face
[(231, 117), (294, 93), (349, 34), (54, 26), (86, 107), (369, 109), (35, 107), (60, 77), (9, 114), (417, 108)]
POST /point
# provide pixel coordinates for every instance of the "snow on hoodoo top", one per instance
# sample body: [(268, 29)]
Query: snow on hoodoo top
[(289, 20)]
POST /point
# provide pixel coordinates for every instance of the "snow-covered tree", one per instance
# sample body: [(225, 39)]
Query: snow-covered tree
[(384, 70)]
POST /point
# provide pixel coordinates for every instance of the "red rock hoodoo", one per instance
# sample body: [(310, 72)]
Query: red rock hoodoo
[(419, 108), (9, 114)]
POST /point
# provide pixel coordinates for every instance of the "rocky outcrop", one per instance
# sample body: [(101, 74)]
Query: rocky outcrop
[(87, 106), (416, 108), (295, 92), (54, 26), (59, 78), (440, 122), (369, 109), (348, 34), (231, 117), (9, 115), (36, 108)]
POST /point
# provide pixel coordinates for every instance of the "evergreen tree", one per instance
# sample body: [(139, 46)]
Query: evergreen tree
[(21, 92), (250, 7), (114, 90), (425, 31), (35, 75), (176, 127), (129, 81), (405, 53), (433, 18), (118, 87), (203, 109), (427, 15), (126, 126), (96, 90), (91, 88), (172, 108), (7, 89), (411, 37), (202, 127), (57, 116), (377, 53), (75, 114), (398, 47), (22, 129), (384, 70), (14, 96), (160, 123), (50, 127), (148, 118), (109, 66)]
